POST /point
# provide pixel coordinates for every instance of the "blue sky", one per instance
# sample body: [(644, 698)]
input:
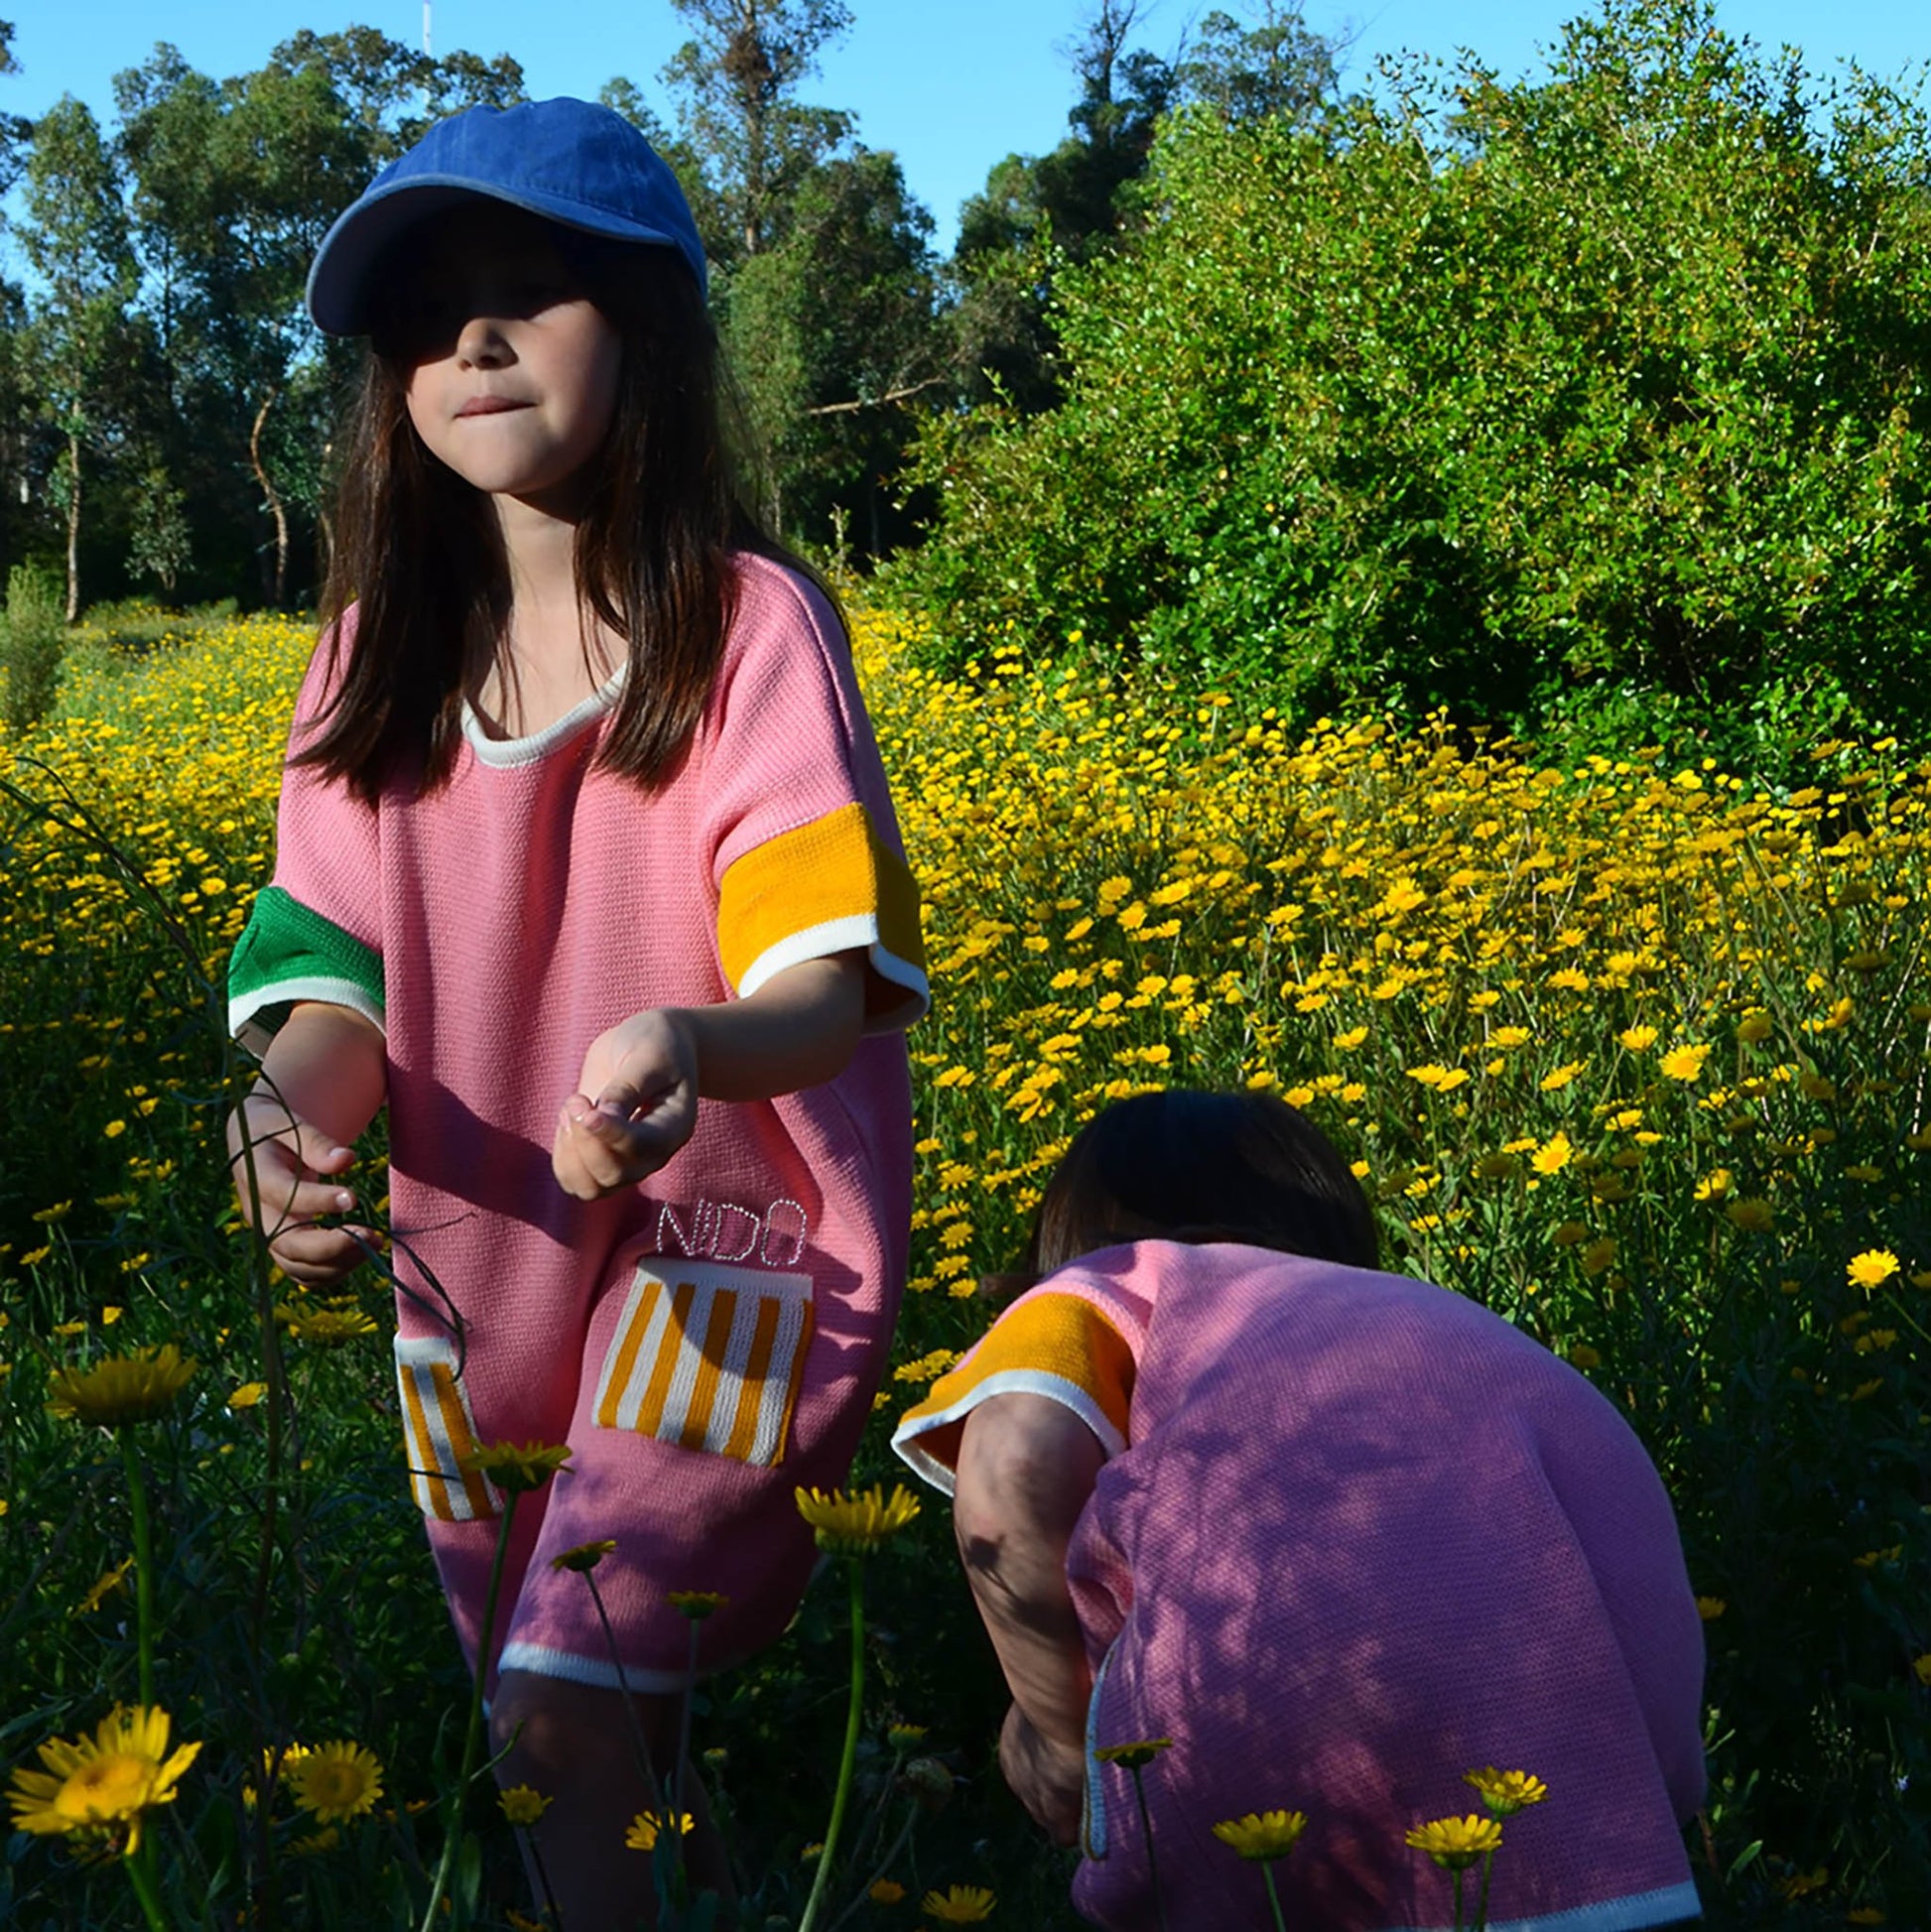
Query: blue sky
[(951, 86)]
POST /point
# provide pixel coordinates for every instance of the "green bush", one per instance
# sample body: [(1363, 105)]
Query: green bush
[(1490, 396), (32, 635)]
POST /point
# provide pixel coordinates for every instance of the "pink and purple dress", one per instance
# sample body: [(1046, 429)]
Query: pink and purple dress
[(1354, 1537), (711, 1337)]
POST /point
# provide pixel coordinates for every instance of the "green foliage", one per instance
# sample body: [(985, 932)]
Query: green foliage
[(32, 635), (1490, 395)]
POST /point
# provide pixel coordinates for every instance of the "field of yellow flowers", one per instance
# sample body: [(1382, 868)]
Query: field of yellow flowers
[(1635, 1055)]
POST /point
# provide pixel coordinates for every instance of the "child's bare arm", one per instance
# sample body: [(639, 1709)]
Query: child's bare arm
[(323, 1079), (637, 1097), (1026, 1467)]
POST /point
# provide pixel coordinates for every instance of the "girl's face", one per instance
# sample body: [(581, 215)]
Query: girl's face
[(510, 369)]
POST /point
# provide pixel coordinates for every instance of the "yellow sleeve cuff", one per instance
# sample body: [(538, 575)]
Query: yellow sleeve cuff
[(831, 886), (1055, 1346)]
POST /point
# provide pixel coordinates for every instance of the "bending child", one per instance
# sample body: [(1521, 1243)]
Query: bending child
[(586, 868), (1340, 1536)]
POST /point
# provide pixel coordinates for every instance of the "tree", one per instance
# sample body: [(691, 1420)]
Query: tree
[(736, 81), (833, 332), (75, 238), (1278, 65)]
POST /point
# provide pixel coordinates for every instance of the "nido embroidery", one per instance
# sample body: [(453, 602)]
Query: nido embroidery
[(722, 1230)]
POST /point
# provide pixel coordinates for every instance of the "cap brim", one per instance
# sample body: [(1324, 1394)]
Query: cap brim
[(339, 278)]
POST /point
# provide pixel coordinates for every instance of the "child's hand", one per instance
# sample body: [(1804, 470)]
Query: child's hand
[(644, 1076), (1049, 1779), (294, 1163)]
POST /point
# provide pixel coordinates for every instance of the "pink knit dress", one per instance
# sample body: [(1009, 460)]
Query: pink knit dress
[(1355, 1537), (711, 1337)]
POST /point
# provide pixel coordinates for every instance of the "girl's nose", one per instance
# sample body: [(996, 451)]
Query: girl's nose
[(481, 345)]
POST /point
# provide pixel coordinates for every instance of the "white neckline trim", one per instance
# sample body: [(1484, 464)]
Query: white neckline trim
[(507, 753)]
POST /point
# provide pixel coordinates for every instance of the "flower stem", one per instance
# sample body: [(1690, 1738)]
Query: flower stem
[(637, 1737), (850, 1761), (683, 1756), (1481, 1901), (1152, 1868), (137, 1503), (1273, 1897), (472, 1729), (142, 1880), (1460, 1872)]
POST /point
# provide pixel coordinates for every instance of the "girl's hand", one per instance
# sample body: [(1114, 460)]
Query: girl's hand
[(294, 1165), (1049, 1779), (644, 1076)]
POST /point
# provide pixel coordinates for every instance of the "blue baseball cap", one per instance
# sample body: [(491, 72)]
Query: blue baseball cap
[(568, 161)]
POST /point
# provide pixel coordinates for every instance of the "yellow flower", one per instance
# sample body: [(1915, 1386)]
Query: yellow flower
[(1753, 1214), (857, 1524), (959, 1905), (518, 1467), (585, 1556), (885, 1891), (905, 1736), (96, 1786), (1582, 1355), (1455, 1844), (645, 1827), (1683, 1063), (1263, 1834), (696, 1604), (1637, 1039), (1134, 1755), (1506, 1792), (1871, 1269), (335, 1781), (1711, 1608), (1922, 1666), (1754, 1027), (247, 1395), (322, 1841), (327, 1328), (1713, 1187), (524, 1804), (1864, 1916), (122, 1388), (103, 1588), (1553, 1155)]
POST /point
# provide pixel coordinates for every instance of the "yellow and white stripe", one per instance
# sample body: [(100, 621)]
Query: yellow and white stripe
[(440, 1433), (831, 886), (707, 1356)]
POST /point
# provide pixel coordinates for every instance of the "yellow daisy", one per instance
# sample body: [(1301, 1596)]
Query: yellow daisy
[(646, 1826), (1873, 1268), (524, 1804), (122, 1388), (1506, 1792), (847, 1524), (1455, 1844), (96, 1786), (336, 1781), (1263, 1834), (518, 1467), (959, 1905)]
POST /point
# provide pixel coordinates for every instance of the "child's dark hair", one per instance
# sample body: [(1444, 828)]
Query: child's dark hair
[(416, 550), (1186, 1165)]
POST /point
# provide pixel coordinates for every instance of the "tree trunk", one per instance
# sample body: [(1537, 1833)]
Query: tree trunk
[(73, 526), (272, 497)]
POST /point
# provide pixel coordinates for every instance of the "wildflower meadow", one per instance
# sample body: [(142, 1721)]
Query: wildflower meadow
[(1633, 1052)]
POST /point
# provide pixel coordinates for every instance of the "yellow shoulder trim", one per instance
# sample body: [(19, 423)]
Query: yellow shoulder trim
[(1058, 1346), (830, 887)]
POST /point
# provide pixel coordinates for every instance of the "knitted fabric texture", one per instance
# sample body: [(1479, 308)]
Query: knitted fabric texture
[(1363, 1538), (714, 1337)]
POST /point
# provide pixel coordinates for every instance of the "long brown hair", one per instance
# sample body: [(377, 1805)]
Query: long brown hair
[(420, 558)]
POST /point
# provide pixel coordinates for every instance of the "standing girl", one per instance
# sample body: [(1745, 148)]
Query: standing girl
[(587, 869), (1335, 1537)]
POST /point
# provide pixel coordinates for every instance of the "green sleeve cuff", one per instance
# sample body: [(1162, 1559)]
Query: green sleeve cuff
[(286, 953)]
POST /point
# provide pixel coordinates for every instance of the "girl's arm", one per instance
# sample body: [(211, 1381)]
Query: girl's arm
[(323, 1079), (648, 1073), (1026, 1469)]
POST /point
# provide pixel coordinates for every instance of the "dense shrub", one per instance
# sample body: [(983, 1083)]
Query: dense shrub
[(1490, 395), (33, 633)]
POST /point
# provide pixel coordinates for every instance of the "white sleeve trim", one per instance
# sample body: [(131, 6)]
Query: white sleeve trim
[(334, 992), (1005, 1381), (857, 931)]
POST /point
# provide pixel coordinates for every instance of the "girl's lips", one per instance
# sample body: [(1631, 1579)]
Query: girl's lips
[(489, 406)]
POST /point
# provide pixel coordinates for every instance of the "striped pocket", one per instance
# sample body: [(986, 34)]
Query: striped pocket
[(707, 1356), (441, 1434)]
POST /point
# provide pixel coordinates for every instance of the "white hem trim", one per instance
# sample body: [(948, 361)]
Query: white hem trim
[(1005, 1381), (1667, 1906), (507, 753), (332, 992), (601, 1672), (857, 930)]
